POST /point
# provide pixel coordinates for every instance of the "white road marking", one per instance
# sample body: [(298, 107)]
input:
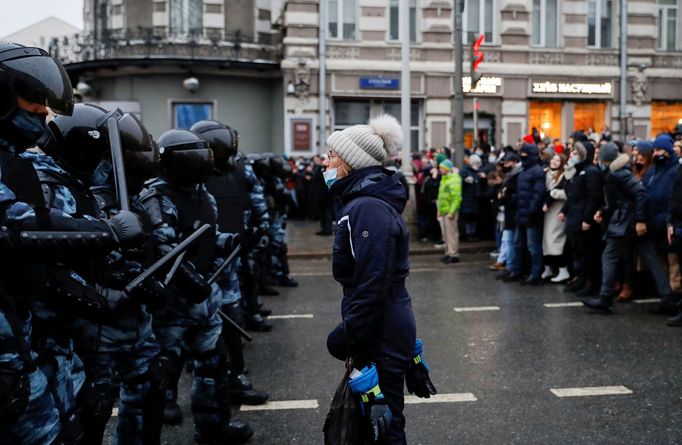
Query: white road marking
[(114, 412), (591, 391), (477, 309), (313, 274), (571, 304), (282, 405), (289, 316), (442, 398), (648, 301)]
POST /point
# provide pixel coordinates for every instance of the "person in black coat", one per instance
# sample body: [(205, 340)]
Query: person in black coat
[(511, 167), (625, 216), (471, 187), (370, 261), (675, 232), (530, 197), (584, 197)]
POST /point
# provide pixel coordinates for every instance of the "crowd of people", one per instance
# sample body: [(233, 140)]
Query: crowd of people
[(601, 217), (125, 261)]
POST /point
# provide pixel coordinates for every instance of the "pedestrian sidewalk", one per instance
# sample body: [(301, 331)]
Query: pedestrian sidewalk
[(303, 243)]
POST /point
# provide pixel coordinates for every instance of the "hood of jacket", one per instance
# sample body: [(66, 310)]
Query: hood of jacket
[(620, 162), (374, 182)]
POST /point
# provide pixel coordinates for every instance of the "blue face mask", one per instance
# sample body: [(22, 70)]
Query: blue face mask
[(329, 176), (603, 167), (31, 126)]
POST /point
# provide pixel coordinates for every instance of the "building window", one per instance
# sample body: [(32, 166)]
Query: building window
[(342, 17), (213, 8), (186, 114), (479, 18), (589, 115), (354, 112), (116, 9), (599, 16), (664, 117), (545, 117), (667, 25), (159, 6), (544, 23), (186, 17), (394, 29)]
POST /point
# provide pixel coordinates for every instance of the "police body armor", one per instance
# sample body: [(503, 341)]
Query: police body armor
[(194, 210), (231, 192)]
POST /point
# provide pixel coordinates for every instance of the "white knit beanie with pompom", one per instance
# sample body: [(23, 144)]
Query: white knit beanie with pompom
[(367, 145)]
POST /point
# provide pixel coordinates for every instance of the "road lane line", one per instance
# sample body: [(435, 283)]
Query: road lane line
[(282, 405), (571, 304), (289, 316), (648, 301), (477, 309), (442, 398), (312, 274), (114, 412), (591, 391)]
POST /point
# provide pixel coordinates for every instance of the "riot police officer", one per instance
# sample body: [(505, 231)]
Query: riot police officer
[(177, 204), (30, 82), (229, 185), (123, 344)]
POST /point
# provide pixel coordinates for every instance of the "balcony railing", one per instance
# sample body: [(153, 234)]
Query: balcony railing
[(149, 43)]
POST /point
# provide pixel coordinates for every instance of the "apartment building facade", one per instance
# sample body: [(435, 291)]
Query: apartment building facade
[(549, 64)]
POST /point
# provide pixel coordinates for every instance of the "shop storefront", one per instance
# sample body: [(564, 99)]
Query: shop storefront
[(558, 108), (664, 116)]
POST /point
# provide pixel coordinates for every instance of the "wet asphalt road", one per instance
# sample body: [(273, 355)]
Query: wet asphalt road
[(503, 362)]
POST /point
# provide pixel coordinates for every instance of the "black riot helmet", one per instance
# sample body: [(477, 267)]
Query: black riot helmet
[(260, 164), (186, 159), (30, 73), (280, 167), (224, 140), (80, 142)]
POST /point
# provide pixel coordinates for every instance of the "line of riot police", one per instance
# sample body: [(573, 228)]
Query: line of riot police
[(75, 336)]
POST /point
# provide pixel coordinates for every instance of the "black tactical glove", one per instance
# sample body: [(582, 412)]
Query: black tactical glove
[(127, 228), (232, 240), (417, 375), (152, 293), (192, 284), (15, 390)]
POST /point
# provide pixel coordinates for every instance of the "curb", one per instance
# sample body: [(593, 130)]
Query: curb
[(478, 248)]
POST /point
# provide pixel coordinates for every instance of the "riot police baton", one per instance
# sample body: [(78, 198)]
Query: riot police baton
[(174, 268), (245, 335), (117, 162), (180, 248), (224, 264)]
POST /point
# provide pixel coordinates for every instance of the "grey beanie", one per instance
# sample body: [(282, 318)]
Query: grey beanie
[(367, 145), (608, 152)]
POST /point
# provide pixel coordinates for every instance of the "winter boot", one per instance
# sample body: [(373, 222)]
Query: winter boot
[(601, 303), (562, 276), (547, 273), (236, 432), (242, 391)]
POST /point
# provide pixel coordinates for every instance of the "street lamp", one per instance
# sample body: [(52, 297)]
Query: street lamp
[(191, 84)]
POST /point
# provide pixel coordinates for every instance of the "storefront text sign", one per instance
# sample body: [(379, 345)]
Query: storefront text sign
[(572, 88), (486, 85), (379, 83)]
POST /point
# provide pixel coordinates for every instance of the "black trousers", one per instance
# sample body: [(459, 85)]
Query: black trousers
[(586, 249), (391, 381)]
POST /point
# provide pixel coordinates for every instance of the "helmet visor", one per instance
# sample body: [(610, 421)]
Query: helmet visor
[(134, 136), (38, 78)]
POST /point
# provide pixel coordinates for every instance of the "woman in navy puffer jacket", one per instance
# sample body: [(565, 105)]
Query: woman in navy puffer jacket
[(370, 261)]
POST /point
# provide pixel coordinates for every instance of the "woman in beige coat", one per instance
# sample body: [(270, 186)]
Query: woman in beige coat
[(554, 237)]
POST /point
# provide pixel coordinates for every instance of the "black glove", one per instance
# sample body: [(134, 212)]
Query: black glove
[(127, 228), (192, 284), (379, 419), (417, 375), (231, 243), (152, 293), (15, 390)]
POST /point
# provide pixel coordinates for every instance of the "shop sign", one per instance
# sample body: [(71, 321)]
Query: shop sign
[(547, 87), (379, 83), (486, 85), (302, 134)]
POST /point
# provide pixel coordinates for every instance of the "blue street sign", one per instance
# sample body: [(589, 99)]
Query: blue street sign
[(379, 83)]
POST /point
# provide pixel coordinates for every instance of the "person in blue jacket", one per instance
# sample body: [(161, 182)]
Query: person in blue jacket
[(370, 261), (530, 195)]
